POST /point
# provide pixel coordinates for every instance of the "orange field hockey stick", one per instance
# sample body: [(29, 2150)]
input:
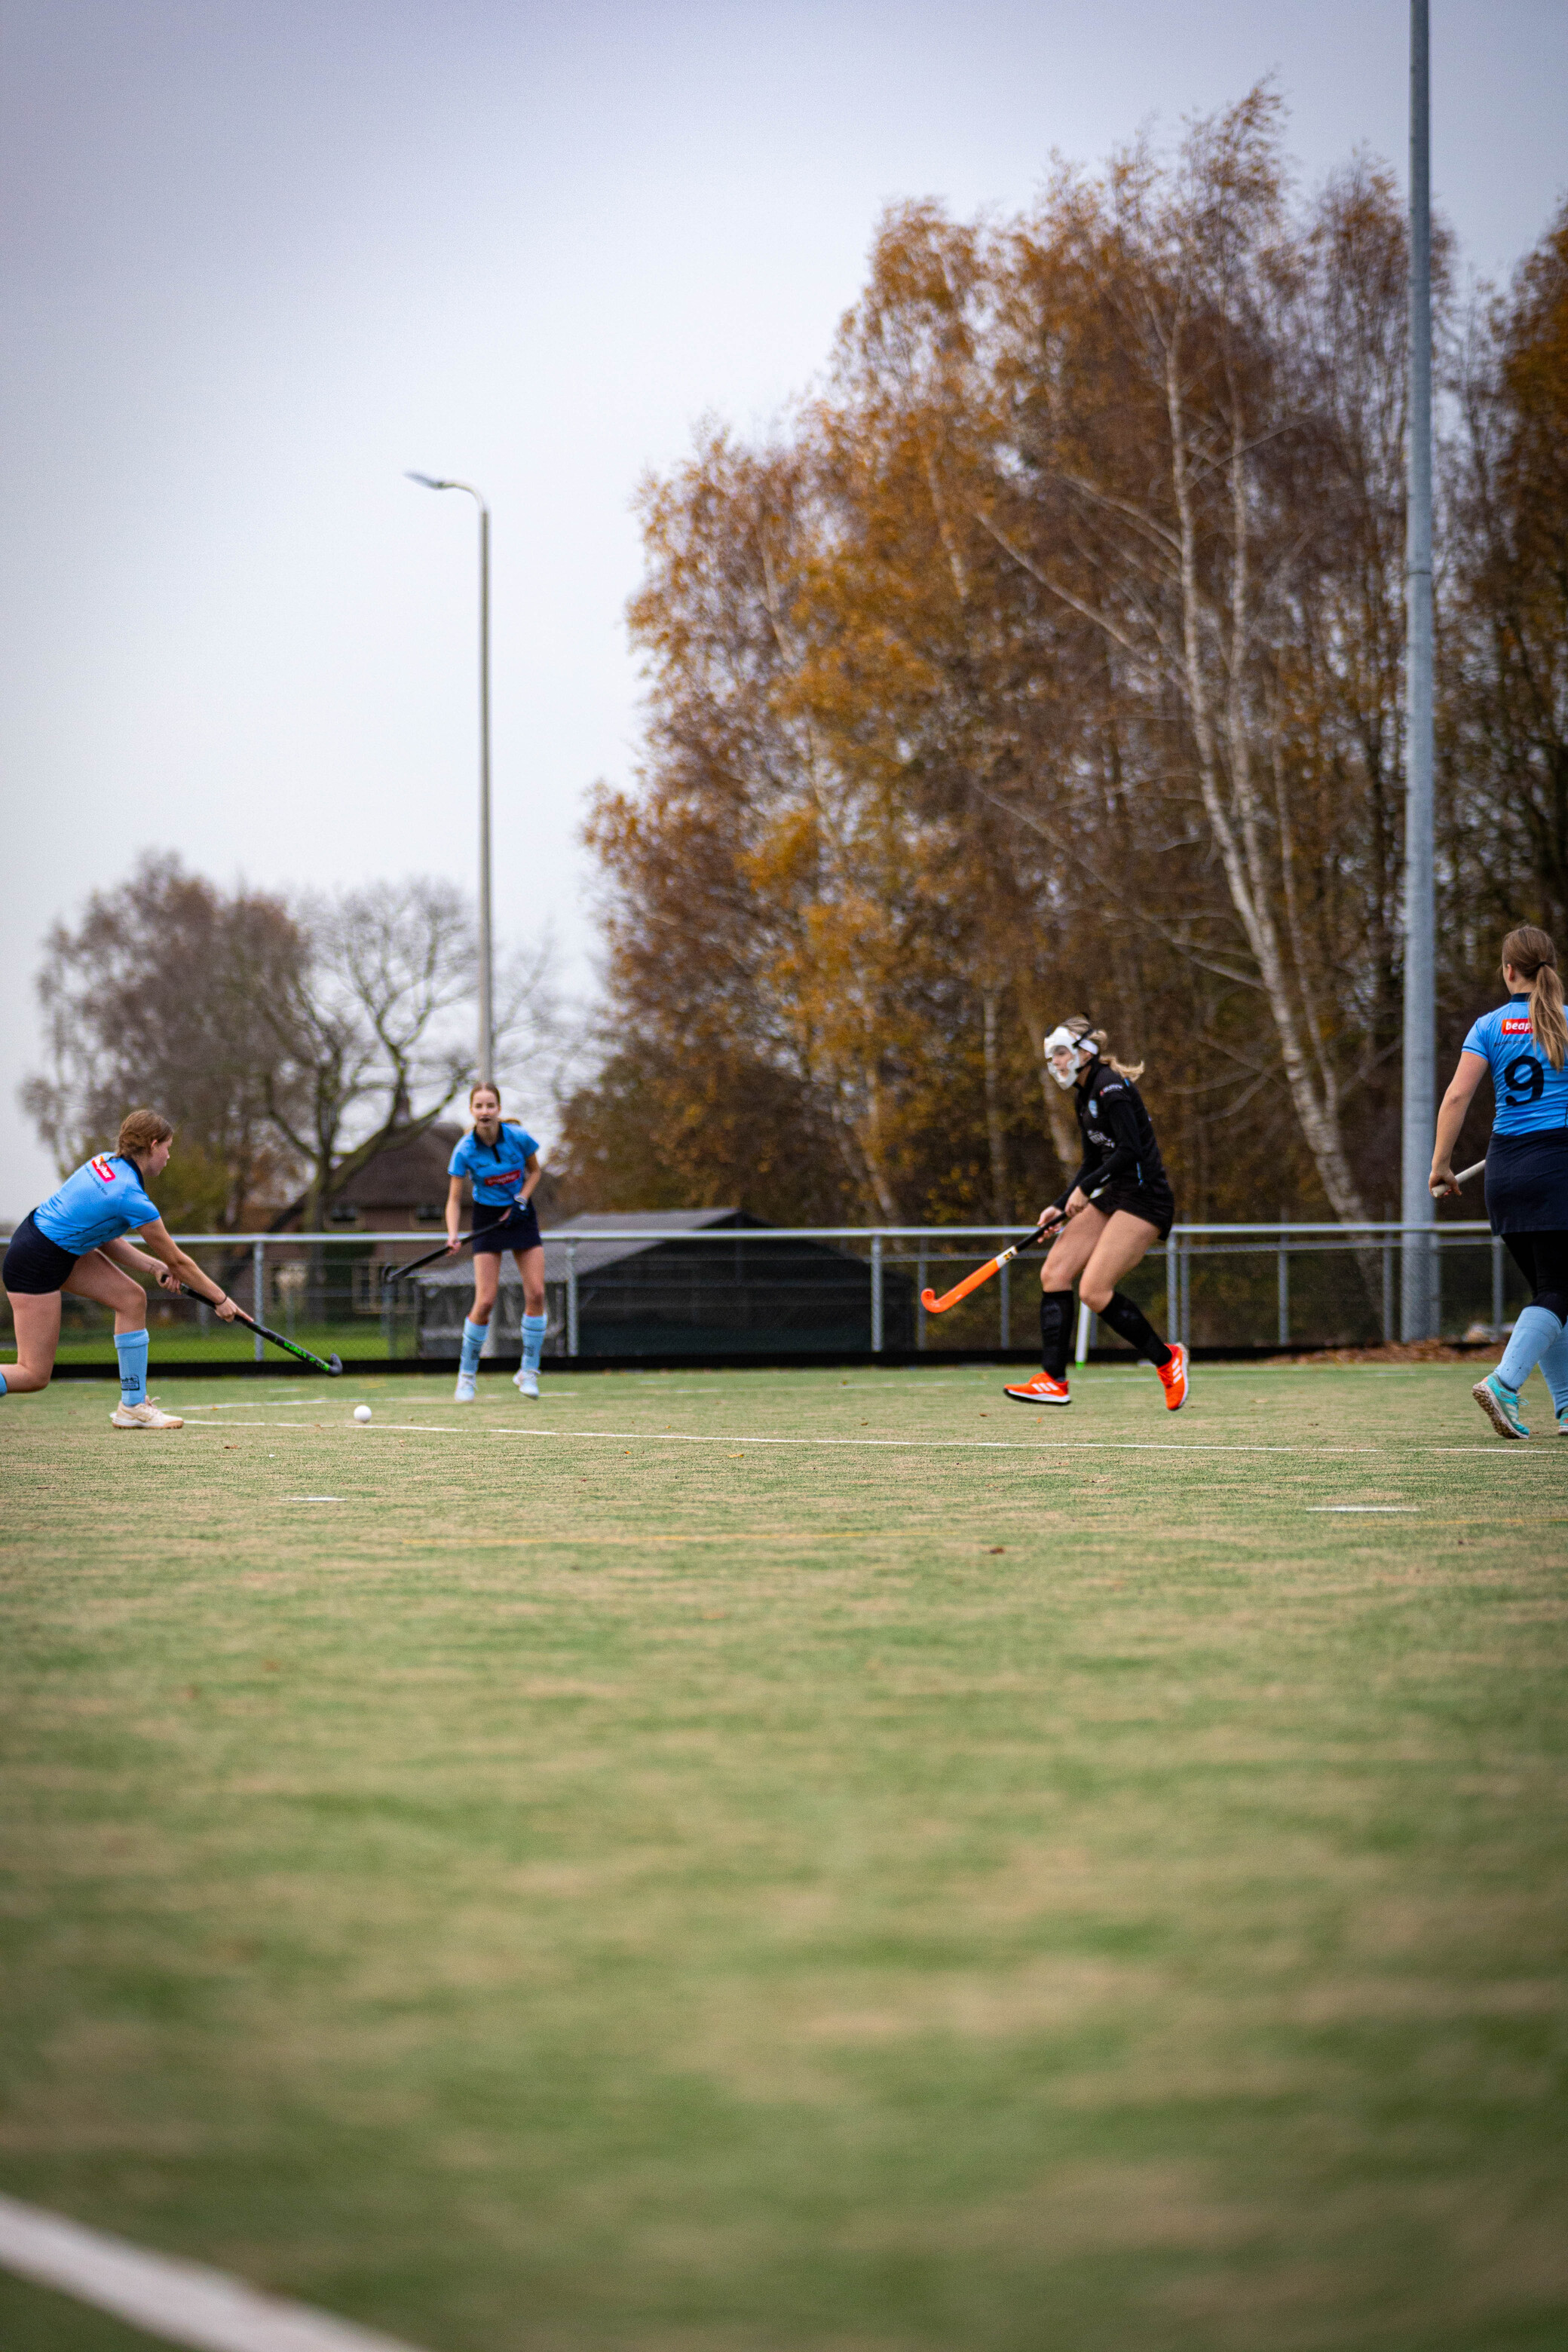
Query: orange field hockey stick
[(982, 1274)]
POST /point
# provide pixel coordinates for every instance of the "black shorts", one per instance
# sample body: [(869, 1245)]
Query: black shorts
[(1527, 1182), (501, 1229), (1156, 1204), (34, 1265)]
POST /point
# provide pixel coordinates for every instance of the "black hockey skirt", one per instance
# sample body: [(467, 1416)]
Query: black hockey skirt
[(33, 1263), (1527, 1182), (507, 1228), (1155, 1203)]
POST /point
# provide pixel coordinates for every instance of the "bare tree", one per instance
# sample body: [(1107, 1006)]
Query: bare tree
[(157, 995), (286, 1042), (367, 1025)]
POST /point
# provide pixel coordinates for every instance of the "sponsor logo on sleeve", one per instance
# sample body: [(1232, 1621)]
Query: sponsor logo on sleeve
[(101, 1169)]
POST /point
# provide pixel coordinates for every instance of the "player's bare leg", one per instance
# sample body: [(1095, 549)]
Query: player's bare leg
[(1072, 1250), (94, 1277), (529, 1266), (487, 1283), (1121, 1247), (37, 1315)]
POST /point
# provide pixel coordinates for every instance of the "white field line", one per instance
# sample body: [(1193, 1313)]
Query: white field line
[(1498, 1452), (247, 1404), (360, 1428), (933, 1444), (184, 2302)]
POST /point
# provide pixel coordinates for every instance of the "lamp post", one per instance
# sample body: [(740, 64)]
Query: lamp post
[(487, 1020), (1418, 1315)]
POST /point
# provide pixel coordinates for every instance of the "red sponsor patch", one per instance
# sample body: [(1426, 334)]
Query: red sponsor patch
[(1518, 1027), (101, 1169)]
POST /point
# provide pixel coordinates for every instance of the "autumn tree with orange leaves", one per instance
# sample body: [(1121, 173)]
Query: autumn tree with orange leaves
[(1052, 662)]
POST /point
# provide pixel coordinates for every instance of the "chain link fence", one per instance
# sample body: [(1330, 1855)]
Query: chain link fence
[(628, 1288)]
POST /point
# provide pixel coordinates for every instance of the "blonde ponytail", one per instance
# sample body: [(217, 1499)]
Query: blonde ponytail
[(1533, 956), (1132, 1071)]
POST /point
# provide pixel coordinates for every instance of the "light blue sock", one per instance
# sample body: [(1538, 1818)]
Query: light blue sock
[(1532, 1335), (3, 1388), (473, 1341), (1554, 1371), (533, 1340), (130, 1346)]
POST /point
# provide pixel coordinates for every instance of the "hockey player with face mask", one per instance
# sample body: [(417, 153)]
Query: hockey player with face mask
[(1117, 1205)]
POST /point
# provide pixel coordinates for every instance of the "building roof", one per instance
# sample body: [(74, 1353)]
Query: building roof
[(599, 1242), (409, 1174)]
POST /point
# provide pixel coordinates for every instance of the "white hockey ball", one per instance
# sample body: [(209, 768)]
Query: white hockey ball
[(361, 1412)]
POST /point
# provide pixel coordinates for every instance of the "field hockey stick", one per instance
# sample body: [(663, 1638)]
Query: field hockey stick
[(396, 1273), (331, 1365), (1465, 1174), (982, 1274)]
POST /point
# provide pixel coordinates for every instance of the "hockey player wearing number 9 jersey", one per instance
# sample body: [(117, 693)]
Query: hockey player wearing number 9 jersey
[(1525, 1046)]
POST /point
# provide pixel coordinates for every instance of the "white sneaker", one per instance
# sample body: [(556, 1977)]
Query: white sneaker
[(145, 1415), (526, 1380), (464, 1392)]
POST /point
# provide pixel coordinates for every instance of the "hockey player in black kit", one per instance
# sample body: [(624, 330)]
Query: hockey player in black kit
[(1103, 1237)]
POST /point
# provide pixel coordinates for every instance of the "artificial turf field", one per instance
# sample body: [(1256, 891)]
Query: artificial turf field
[(997, 1880)]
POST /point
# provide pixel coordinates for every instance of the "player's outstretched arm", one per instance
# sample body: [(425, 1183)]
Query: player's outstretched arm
[(137, 1261), (1451, 1119), (161, 1246)]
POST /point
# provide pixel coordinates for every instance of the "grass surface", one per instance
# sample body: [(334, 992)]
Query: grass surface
[(233, 1343), (597, 1892)]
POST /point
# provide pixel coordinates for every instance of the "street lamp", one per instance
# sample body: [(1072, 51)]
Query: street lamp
[(1418, 1298), (487, 1022)]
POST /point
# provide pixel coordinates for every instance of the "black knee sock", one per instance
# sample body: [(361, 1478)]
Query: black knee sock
[(1130, 1323), (1056, 1326)]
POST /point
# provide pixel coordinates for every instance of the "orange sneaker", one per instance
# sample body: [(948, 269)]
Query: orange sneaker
[(1042, 1389), (1173, 1378)]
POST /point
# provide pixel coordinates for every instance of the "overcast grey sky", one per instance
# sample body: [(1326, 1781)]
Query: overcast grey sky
[(260, 256)]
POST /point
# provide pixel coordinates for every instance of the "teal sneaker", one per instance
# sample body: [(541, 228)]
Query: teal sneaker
[(1500, 1405)]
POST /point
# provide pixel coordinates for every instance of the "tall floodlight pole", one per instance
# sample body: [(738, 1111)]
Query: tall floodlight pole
[(1417, 1319), (487, 1018)]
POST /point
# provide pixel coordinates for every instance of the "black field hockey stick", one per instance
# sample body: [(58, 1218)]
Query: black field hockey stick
[(1049, 1227), (396, 1273), (331, 1365)]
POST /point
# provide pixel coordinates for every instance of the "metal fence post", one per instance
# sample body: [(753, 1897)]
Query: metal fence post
[(1004, 1307), (875, 1294), (1086, 1323), (1497, 1284), (1388, 1292), (1282, 1290), (571, 1298), (921, 1318), (1172, 1288), (258, 1294), (1187, 1262)]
